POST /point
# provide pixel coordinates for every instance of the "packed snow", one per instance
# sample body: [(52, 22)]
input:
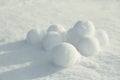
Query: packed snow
[(79, 30), (65, 55), (102, 36), (75, 37), (88, 46), (86, 39), (51, 40), (57, 28), (24, 54), (35, 36)]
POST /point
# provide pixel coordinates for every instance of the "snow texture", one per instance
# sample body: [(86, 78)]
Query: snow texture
[(72, 36), (65, 55), (88, 46), (35, 36), (57, 28), (51, 40), (79, 30), (102, 37), (21, 61), (83, 28)]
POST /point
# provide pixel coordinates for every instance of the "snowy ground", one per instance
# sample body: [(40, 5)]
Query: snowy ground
[(21, 61)]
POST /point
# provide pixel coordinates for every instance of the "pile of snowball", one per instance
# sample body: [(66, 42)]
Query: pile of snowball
[(67, 46)]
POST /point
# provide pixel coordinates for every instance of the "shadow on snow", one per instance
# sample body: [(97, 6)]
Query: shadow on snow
[(13, 57)]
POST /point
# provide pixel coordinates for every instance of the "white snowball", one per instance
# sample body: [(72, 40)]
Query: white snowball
[(80, 29), (88, 46), (84, 28), (72, 36), (65, 55), (35, 36), (102, 37), (56, 28), (51, 40)]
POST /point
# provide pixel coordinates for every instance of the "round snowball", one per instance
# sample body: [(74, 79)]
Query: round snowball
[(88, 46), (84, 28), (35, 36), (64, 55), (56, 28), (51, 40), (72, 36), (102, 37)]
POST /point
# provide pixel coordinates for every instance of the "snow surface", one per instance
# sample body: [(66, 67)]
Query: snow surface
[(21, 61), (65, 55)]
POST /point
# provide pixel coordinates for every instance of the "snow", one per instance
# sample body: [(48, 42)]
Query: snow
[(83, 28), (102, 36), (88, 46), (82, 35), (72, 36), (51, 40), (57, 28), (80, 29), (65, 55), (22, 61), (35, 36)]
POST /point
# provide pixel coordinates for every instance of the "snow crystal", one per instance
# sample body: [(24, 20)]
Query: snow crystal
[(88, 46), (64, 55), (51, 40)]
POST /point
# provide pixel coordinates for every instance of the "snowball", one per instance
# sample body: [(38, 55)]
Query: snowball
[(88, 46), (65, 55), (102, 37), (84, 28), (80, 29), (51, 40), (56, 28), (72, 36), (35, 36)]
